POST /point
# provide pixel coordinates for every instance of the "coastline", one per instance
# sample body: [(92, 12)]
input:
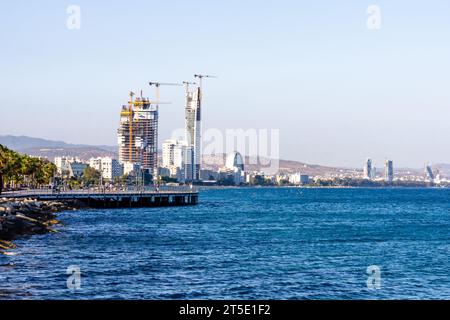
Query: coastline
[(22, 217), (318, 187)]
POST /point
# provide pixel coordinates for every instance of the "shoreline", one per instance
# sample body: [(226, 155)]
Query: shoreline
[(317, 187), (24, 217)]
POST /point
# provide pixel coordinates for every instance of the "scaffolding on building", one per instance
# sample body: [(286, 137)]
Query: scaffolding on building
[(138, 134)]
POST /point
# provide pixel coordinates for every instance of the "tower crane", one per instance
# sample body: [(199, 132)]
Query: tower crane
[(201, 76), (187, 84), (130, 156), (157, 85)]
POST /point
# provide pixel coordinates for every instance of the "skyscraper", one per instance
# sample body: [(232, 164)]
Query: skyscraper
[(368, 169), (389, 171), (138, 134), (193, 132), (429, 172)]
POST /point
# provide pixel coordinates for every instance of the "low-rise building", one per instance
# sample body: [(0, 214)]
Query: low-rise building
[(299, 179), (130, 168), (76, 169), (63, 163), (109, 168), (208, 175), (164, 172)]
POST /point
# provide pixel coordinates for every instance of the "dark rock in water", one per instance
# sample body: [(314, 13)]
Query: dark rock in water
[(27, 216)]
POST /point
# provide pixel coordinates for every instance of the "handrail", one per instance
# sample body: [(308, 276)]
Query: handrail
[(94, 192)]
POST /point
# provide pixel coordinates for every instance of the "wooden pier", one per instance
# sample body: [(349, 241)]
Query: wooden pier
[(148, 197)]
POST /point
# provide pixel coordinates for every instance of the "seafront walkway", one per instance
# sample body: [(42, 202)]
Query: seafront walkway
[(138, 197)]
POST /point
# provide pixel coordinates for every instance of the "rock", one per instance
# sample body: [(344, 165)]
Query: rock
[(28, 216)]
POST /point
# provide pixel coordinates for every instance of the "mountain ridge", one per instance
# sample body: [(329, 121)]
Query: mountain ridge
[(52, 148)]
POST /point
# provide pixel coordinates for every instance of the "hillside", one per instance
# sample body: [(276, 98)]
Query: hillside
[(214, 162), (50, 148)]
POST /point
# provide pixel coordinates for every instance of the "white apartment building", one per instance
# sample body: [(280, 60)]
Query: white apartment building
[(109, 168), (298, 178), (63, 163), (131, 168), (174, 153)]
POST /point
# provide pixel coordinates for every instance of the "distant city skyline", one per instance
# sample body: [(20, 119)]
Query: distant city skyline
[(339, 92)]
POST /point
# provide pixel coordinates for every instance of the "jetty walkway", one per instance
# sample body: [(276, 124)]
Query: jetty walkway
[(147, 197)]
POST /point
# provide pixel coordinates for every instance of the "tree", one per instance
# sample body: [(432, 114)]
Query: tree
[(17, 169), (91, 176), (2, 165), (168, 180)]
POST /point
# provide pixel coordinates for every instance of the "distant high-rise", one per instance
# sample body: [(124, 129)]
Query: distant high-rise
[(389, 171), (138, 134), (368, 174), (193, 131), (429, 172), (234, 160)]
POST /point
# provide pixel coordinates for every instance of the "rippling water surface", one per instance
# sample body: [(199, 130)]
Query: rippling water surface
[(255, 243)]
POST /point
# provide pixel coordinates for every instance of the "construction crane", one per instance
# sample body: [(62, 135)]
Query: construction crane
[(187, 84), (200, 88), (201, 76), (159, 84), (130, 156)]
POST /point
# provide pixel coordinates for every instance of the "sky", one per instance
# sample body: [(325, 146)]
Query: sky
[(338, 91)]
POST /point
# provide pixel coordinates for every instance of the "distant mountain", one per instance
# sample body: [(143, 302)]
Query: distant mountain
[(19, 143), (24, 142), (214, 162), (444, 168), (50, 148)]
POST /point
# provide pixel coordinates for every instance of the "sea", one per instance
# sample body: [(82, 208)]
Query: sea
[(245, 243)]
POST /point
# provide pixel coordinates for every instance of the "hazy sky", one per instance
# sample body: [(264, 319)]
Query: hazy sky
[(337, 91)]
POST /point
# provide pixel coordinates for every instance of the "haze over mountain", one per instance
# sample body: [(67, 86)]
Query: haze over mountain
[(50, 149), (19, 143)]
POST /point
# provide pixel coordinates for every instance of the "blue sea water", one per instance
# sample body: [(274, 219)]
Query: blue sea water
[(246, 243)]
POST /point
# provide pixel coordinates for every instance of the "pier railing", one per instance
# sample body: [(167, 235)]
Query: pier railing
[(100, 191)]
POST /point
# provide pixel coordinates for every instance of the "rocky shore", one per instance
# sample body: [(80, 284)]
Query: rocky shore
[(20, 217)]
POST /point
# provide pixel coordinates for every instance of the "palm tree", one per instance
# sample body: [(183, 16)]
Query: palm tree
[(2, 165), (16, 169)]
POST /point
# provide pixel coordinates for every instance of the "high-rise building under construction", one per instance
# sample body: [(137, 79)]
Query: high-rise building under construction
[(138, 134), (193, 133)]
